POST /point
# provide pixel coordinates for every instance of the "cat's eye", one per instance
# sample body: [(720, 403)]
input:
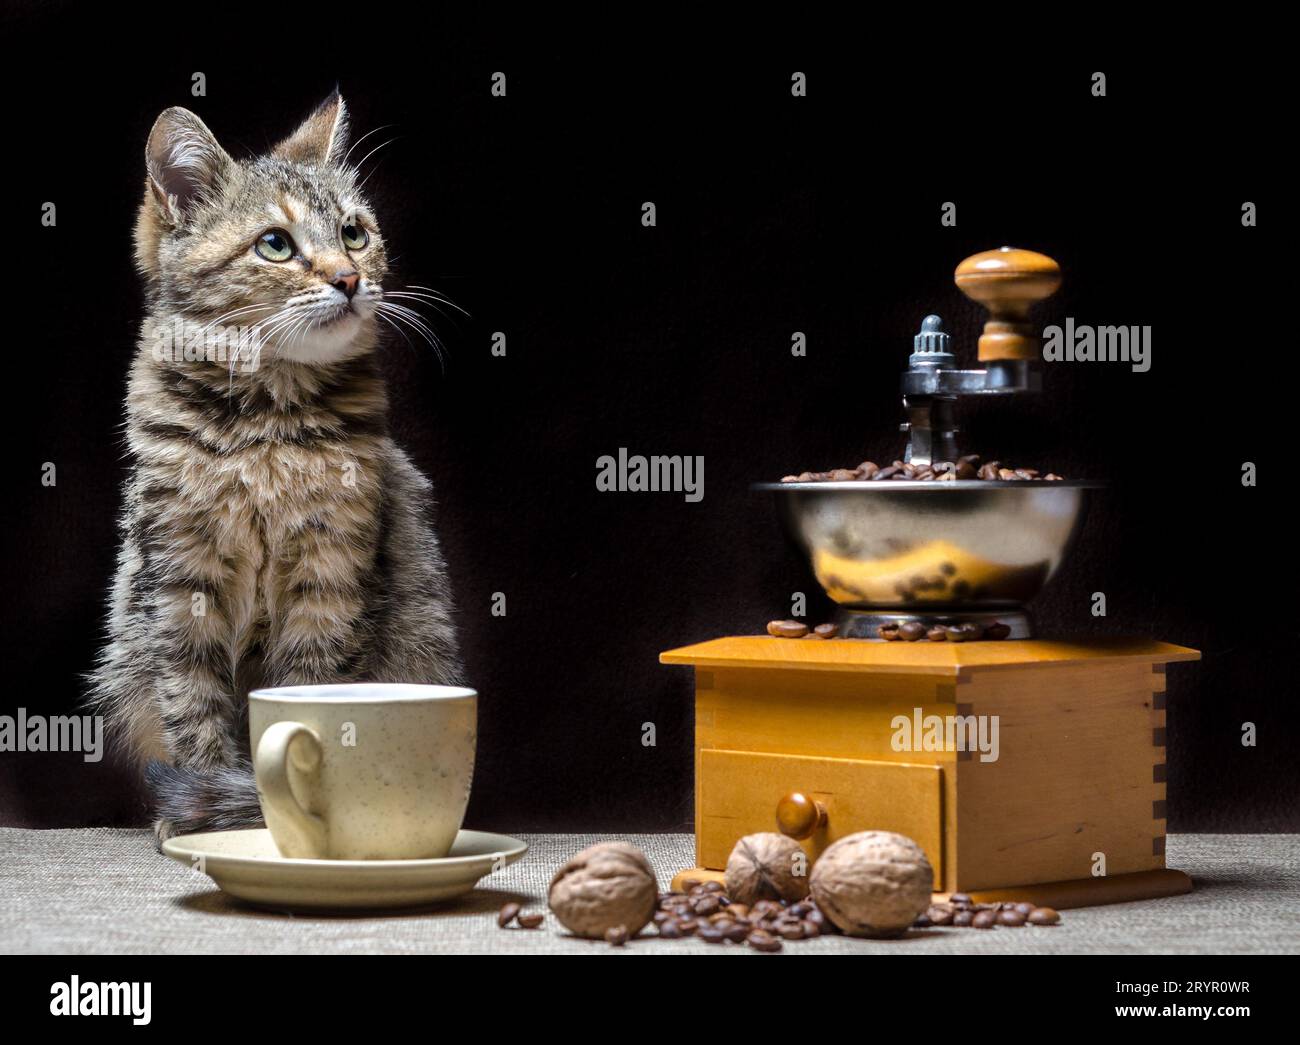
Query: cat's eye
[(354, 237), (274, 246)]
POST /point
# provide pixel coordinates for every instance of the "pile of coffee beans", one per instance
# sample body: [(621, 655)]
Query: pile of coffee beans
[(969, 631), (967, 467), (796, 629), (703, 910), (513, 912), (912, 631), (961, 913)]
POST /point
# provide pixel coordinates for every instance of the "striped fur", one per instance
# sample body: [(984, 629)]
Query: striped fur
[(272, 532)]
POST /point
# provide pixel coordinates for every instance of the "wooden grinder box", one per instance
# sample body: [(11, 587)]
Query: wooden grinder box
[(802, 735)]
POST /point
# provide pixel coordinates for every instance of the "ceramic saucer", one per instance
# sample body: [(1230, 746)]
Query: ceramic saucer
[(247, 865)]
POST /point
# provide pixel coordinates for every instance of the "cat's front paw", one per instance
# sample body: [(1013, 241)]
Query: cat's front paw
[(163, 829)]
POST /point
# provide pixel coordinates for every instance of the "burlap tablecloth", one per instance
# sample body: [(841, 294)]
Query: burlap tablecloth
[(108, 891)]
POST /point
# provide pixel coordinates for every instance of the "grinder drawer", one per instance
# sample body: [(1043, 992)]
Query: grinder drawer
[(737, 793)]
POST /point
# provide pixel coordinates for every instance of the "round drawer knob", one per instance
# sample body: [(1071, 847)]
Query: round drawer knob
[(799, 816)]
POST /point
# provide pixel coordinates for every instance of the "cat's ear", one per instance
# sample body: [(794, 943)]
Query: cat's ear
[(184, 162), (322, 137)]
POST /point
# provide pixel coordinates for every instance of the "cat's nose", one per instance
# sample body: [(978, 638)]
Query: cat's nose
[(346, 280)]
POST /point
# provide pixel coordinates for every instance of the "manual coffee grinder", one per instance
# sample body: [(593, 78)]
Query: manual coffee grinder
[(803, 735)]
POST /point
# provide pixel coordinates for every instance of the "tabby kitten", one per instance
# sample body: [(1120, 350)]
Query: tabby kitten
[(273, 534)]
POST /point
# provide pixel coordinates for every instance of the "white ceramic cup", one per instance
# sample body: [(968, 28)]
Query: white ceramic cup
[(363, 772)]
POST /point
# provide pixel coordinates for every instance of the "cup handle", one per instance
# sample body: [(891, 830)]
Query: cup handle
[(297, 832)]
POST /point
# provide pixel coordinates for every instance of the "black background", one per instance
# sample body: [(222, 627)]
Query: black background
[(775, 214)]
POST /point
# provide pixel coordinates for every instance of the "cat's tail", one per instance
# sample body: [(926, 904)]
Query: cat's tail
[(186, 801)]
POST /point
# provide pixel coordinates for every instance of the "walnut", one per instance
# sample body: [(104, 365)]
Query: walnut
[(603, 887), (767, 866), (873, 883)]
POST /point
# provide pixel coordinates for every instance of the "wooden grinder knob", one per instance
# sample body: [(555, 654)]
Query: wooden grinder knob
[(1007, 281), (799, 816)]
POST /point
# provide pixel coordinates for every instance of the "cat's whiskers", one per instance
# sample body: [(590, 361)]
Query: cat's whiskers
[(381, 127), (357, 168), (242, 310), (437, 297), (401, 333), (247, 338), (410, 318)]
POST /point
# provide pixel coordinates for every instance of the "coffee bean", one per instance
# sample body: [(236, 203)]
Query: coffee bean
[(817, 918), (1011, 919), (711, 934), (984, 920), (960, 899), (791, 930), (963, 918), (842, 475), (531, 921), (737, 932), (997, 630), (973, 631), (990, 470), (911, 631), (955, 633), (922, 922), (507, 914), (810, 929), (617, 936), (714, 887), (688, 925), (789, 478), (706, 905), (940, 915), (937, 634), (786, 629), (669, 931), (888, 632), (1007, 475), (1043, 916), (886, 473), (688, 884), (1052, 477), (827, 631), (763, 941), (965, 470), (867, 469)]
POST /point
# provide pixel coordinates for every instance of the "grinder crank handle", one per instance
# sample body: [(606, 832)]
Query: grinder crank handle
[(799, 816), (1007, 281)]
